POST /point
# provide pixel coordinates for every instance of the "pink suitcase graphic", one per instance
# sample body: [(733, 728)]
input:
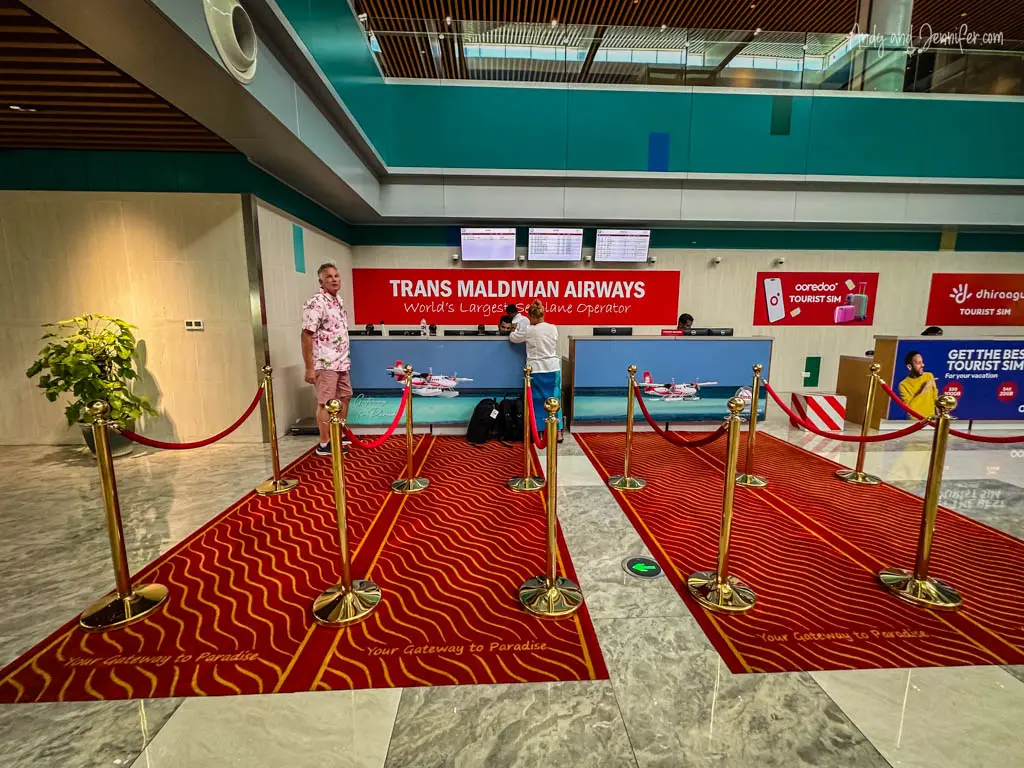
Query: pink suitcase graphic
[(845, 313)]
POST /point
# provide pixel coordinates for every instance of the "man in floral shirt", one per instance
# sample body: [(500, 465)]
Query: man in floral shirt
[(325, 350)]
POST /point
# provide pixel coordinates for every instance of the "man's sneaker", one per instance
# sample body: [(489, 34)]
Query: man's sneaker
[(325, 450)]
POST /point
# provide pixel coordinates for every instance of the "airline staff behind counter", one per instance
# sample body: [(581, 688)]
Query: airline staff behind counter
[(541, 340)]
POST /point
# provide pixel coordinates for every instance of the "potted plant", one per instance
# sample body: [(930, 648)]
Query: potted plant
[(91, 357)]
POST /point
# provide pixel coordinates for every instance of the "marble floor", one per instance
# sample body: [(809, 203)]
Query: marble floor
[(670, 700)]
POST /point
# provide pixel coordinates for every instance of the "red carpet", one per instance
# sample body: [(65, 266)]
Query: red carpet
[(810, 546), (238, 617)]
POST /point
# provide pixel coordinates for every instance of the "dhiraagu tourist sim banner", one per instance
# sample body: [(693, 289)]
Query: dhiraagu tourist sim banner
[(688, 379), (449, 377)]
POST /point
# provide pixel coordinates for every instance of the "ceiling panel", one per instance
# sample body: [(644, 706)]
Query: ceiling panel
[(57, 94)]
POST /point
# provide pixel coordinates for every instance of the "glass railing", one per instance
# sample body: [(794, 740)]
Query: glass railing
[(652, 56)]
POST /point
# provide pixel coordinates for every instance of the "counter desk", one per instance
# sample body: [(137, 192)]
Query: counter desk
[(985, 374), (685, 379), (458, 373)]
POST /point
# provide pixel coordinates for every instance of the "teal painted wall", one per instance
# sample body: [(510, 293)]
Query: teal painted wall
[(450, 126), (216, 172)]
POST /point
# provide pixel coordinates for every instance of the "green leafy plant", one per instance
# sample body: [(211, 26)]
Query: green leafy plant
[(91, 357)]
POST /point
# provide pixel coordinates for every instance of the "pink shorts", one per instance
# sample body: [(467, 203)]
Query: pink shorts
[(331, 385)]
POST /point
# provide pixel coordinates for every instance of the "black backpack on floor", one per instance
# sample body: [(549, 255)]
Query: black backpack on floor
[(511, 418), (484, 421)]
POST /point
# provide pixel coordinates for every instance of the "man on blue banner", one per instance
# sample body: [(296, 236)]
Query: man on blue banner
[(918, 390)]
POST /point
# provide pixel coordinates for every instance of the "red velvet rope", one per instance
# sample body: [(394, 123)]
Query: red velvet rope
[(540, 440), (843, 438), (200, 443), (671, 437), (391, 430), (957, 432)]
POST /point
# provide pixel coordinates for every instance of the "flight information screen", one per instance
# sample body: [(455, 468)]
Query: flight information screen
[(552, 244), (488, 244), (622, 244)]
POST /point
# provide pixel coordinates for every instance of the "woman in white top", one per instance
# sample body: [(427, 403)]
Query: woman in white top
[(541, 340)]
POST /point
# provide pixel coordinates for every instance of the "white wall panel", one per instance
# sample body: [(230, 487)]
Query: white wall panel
[(851, 207), (503, 202), (739, 205), (622, 203)]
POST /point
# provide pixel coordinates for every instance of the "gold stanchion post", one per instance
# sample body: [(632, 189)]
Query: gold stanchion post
[(409, 484), (858, 475), (918, 587), (748, 479), (279, 484), (551, 596), (625, 482), (347, 602), (529, 481), (126, 604), (717, 590)]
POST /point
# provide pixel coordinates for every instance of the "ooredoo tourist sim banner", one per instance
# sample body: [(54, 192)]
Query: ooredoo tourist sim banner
[(479, 296), (815, 298), (976, 299)]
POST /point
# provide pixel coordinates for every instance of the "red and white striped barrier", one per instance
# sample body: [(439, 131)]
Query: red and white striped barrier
[(826, 412)]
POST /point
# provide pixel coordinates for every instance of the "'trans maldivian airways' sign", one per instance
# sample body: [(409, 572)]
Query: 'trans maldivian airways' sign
[(475, 296), (815, 298), (976, 299)]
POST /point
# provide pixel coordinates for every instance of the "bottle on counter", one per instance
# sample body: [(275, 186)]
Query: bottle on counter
[(383, 329)]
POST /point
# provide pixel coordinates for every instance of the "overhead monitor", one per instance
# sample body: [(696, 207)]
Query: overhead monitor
[(488, 244), (616, 331), (622, 245), (555, 244)]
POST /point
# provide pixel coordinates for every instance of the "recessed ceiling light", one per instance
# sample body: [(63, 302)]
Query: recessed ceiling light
[(664, 27), (963, 14), (752, 6), (757, 32), (17, 108), (448, 20), (554, 22)]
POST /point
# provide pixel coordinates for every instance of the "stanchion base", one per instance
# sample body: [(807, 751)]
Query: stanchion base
[(550, 600), (626, 483), (526, 483), (113, 612), (276, 487), (732, 597), (751, 481), (338, 607), (860, 478), (415, 485), (926, 593)]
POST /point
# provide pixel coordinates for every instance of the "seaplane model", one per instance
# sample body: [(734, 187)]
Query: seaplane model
[(673, 392), (428, 384)]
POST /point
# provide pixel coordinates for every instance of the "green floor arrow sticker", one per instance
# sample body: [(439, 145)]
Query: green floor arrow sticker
[(641, 567)]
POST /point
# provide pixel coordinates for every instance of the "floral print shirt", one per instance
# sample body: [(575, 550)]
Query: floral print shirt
[(324, 317)]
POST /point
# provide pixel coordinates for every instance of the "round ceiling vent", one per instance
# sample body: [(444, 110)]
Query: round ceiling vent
[(234, 36)]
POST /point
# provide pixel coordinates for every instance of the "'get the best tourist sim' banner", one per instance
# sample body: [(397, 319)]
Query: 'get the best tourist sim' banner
[(474, 296)]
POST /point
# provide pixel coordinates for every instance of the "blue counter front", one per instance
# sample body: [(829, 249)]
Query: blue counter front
[(689, 379), (484, 367)]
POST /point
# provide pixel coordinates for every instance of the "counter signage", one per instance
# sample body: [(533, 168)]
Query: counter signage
[(473, 296), (985, 376), (976, 299), (815, 298)]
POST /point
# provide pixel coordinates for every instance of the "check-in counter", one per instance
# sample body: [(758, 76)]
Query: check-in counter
[(985, 374), (685, 379), (468, 369)]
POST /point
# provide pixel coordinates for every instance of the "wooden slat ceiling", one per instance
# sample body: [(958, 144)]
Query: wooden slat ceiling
[(57, 94), (406, 30)]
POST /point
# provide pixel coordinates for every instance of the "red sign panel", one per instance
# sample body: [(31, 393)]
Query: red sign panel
[(976, 299), (815, 298), (479, 296)]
